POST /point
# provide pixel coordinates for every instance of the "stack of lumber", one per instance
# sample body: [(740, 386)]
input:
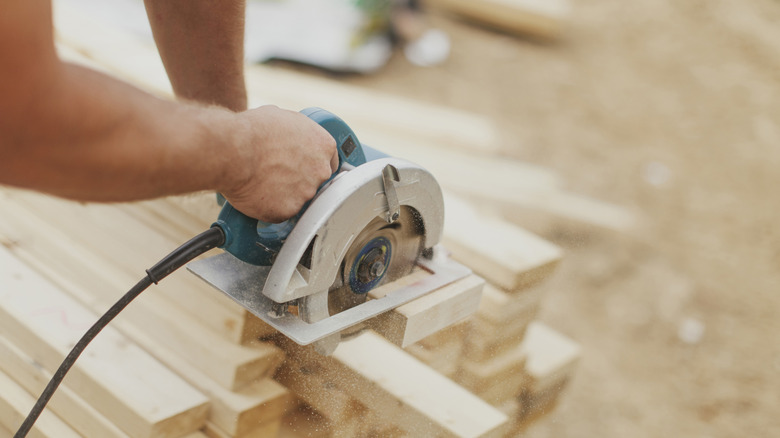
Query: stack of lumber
[(468, 360)]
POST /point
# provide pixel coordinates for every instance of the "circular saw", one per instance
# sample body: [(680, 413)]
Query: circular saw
[(375, 221)]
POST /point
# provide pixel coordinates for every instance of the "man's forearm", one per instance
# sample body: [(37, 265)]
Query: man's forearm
[(86, 136), (78, 133), (99, 139), (201, 45)]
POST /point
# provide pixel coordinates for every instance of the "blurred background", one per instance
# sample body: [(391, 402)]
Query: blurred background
[(671, 109), (667, 109)]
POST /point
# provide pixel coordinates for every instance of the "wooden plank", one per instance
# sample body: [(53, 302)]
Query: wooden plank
[(387, 113), (500, 307), (124, 247), (404, 390), (499, 251), (266, 430), (122, 381), (15, 403), (443, 351), (497, 380), (82, 417), (83, 275), (444, 358), (429, 314), (124, 55), (501, 322), (552, 357), (540, 18)]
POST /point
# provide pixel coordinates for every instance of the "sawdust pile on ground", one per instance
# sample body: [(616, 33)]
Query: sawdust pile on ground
[(671, 108)]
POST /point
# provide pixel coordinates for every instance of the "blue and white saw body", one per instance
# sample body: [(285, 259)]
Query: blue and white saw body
[(370, 225)]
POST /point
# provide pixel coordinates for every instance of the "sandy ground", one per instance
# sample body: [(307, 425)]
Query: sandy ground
[(670, 108)]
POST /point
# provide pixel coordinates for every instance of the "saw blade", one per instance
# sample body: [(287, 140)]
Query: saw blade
[(381, 253)]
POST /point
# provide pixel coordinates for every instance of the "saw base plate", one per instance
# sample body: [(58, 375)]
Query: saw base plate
[(244, 283)]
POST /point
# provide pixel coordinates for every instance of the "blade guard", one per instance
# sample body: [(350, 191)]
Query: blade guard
[(311, 257), (257, 242)]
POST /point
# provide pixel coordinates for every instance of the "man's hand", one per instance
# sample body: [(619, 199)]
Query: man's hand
[(288, 156)]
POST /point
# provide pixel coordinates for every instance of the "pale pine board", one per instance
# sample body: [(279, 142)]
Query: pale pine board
[(82, 417), (15, 403), (127, 385), (541, 18)]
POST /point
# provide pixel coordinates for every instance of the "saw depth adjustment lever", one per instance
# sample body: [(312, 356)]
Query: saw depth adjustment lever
[(257, 242)]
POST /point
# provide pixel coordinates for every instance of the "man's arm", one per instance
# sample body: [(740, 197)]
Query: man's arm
[(201, 43), (77, 133)]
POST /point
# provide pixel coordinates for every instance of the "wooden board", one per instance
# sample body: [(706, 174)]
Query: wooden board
[(81, 416), (443, 351), (502, 253), (552, 357), (501, 322), (429, 314), (15, 403), (540, 18), (497, 380), (124, 382)]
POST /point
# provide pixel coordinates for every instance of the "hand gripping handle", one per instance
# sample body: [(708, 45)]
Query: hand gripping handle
[(258, 242)]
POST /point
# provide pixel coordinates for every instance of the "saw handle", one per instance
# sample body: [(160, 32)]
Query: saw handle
[(257, 242)]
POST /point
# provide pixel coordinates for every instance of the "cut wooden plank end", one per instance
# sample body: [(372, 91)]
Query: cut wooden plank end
[(552, 357), (431, 313), (502, 253)]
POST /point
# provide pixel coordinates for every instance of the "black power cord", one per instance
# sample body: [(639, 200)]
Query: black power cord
[(196, 246)]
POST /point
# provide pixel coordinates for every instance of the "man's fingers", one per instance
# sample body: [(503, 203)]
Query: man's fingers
[(334, 162)]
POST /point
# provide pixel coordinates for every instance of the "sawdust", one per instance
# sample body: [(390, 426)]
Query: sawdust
[(672, 109)]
